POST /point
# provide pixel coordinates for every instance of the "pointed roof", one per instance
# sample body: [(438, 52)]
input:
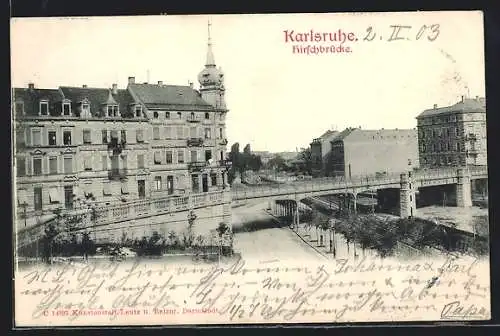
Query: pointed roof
[(210, 55), (110, 100)]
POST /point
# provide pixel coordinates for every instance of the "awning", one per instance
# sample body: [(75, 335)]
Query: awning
[(157, 157), (21, 197), (54, 195), (106, 188), (124, 188)]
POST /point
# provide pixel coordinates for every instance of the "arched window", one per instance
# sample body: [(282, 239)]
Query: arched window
[(155, 115), (207, 115)]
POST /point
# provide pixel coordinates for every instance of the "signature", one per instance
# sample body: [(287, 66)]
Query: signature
[(456, 310)]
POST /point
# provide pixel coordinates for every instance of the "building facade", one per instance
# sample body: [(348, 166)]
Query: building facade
[(357, 152), (453, 135), (75, 146), (321, 149)]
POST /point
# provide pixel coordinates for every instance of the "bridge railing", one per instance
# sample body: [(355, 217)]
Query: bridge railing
[(132, 210)]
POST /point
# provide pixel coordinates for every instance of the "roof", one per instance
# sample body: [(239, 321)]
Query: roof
[(31, 98), (97, 97), (169, 96), (357, 134), (467, 105)]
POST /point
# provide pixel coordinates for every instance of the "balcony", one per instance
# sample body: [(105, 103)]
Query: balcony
[(195, 142), (116, 146), (197, 166), (225, 163), (117, 174), (223, 142)]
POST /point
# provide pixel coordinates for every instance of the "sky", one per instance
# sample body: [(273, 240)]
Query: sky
[(278, 100)]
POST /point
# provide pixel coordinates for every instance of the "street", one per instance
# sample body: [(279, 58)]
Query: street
[(258, 236)]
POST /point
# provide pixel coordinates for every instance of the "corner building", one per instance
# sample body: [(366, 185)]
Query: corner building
[(453, 135), (75, 145)]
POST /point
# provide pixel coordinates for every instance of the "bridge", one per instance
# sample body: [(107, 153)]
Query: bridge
[(105, 217)]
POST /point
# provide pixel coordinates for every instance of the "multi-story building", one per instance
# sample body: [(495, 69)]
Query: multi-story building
[(357, 152), (321, 149), (453, 135), (78, 145)]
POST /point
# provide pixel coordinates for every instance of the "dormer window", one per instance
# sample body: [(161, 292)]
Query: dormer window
[(66, 108), (44, 108), (138, 111), (179, 114), (167, 115), (85, 109), (112, 110), (19, 107)]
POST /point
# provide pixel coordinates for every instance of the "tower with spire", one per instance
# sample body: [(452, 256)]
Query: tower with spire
[(211, 79)]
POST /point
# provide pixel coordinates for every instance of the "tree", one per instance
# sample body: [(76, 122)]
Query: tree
[(277, 162), (222, 229), (306, 156)]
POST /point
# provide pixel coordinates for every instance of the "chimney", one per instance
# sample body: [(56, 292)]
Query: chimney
[(160, 83), (435, 106), (115, 89), (31, 85), (477, 98), (131, 80), (84, 86), (463, 98)]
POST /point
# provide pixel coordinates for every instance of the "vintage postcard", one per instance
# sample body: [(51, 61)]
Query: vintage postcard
[(250, 169)]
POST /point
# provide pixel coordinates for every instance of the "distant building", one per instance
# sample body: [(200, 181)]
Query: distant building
[(357, 152), (453, 135), (265, 156), (321, 149)]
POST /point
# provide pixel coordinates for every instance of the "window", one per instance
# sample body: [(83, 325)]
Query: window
[(168, 132), (21, 166), (220, 133), (155, 115), (208, 155), (52, 138), (106, 189), (67, 109), (104, 136), (68, 165), (423, 147), (192, 132), (124, 161), (44, 108), (208, 133), (87, 136), (157, 157), (67, 138), (123, 136), (37, 198), (180, 156), (87, 163), (167, 115), (156, 133), (85, 109), (124, 187), (170, 185), (457, 146), (138, 111), (36, 137), (140, 160), (114, 135), (168, 156), (53, 165), (19, 107), (192, 116), (180, 132), (158, 182), (139, 135), (213, 178), (194, 156), (207, 115), (37, 166), (179, 115), (112, 110), (104, 162)]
